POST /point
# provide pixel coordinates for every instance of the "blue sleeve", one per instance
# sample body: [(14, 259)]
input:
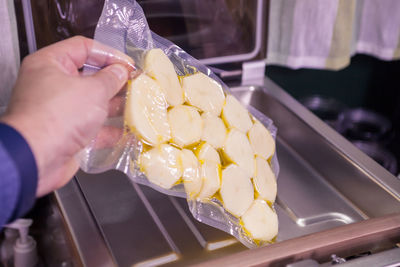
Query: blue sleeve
[(18, 175)]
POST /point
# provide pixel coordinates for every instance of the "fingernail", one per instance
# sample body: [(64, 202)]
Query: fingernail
[(120, 71)]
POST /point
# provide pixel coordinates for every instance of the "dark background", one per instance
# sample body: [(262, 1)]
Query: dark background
[(367, 82)]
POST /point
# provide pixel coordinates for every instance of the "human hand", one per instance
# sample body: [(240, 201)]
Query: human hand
[(57, 110)]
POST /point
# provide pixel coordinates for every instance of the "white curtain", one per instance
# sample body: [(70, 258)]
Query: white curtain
[(325, 34)]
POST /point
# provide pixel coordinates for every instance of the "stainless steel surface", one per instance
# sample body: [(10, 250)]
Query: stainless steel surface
[(373, 235), (253, 72), (144, 227), (385, 259), (196, 27), (304, 263), (258, 41), (324, 182), (54, 247), (84, 232), (349, 170)]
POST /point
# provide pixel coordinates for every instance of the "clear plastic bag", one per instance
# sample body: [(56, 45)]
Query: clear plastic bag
[(123, 26)]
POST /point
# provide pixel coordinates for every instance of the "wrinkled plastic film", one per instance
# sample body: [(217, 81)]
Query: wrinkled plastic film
[(123, 26)]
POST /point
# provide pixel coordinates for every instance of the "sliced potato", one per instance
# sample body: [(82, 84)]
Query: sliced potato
[(237, 191), (207, 152), (161, 165), (261, 141), (158, 66), (261, 221), (235, 115), (203, 92), (191, 173), (146, 111), (210, 173), (238, 150), (264, 180), (186, 125), (214, 130)]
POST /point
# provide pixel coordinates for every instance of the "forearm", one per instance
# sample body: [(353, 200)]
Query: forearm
[(18, 175)]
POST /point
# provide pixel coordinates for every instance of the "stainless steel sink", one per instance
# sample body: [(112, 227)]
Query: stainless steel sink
[(325, 182)]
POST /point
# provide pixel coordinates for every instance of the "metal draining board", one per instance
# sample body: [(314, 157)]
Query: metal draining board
[(323, 184), (142, 226)]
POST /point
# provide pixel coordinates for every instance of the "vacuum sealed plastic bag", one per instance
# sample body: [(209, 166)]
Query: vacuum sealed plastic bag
[(178, 129)]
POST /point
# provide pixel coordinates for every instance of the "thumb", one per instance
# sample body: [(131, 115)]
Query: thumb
[(111, 78)]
